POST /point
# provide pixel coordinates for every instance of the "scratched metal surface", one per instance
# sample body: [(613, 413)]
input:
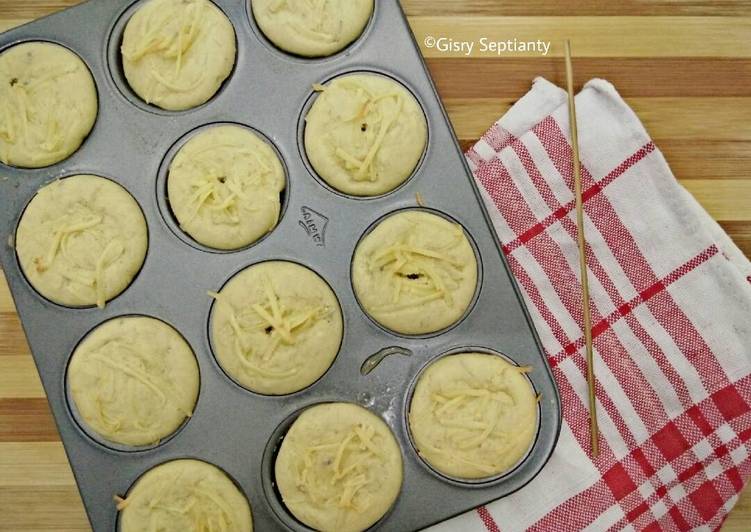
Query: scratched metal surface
[(233, 428)]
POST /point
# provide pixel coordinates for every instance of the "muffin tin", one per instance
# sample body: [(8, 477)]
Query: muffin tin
[(233, 428)]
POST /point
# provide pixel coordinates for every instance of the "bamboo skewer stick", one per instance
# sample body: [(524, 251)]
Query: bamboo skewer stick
[(593, 428)]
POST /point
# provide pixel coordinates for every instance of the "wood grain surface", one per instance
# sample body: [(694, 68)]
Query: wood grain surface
[(684, 66)]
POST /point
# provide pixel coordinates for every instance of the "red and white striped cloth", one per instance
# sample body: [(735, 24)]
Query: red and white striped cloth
[(671, 311)]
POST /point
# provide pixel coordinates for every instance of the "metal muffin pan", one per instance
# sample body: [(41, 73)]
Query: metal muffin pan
[(233, 428)]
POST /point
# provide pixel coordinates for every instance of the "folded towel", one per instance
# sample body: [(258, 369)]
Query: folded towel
[(671, 314)]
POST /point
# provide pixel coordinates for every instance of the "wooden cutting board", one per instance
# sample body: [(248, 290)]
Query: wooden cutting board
[(684, 67)]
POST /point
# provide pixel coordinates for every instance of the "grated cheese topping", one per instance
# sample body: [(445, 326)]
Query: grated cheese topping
[(339, 467), (176, 53), (364, 134), (338, 481), (185, 495), (224, 187), (258, 334), (133, 380), (473, 415), (81, 240), (277, 327), (48, 104), (76, 225), (312, 28), (411, 263)]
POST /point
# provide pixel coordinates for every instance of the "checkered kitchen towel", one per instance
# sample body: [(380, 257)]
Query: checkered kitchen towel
[(671, 298)]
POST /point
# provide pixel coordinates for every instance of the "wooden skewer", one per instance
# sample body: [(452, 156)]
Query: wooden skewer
[(593, 428)]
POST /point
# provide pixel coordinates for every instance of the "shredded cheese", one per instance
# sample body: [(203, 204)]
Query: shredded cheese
[(165, 38), (419, 272), (84, 221), (123, 388), (334, 473), (381, 111), (191, 501), (111, 253), (308, 19), (228, 173), (170, 84), (472, 414), (62, 231), (258, 334), (28, 104)]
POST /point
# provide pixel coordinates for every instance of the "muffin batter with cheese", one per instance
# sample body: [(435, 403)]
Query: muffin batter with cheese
[(133, 380), (276, 327), (473, 415), (81, 240), (177, 53), (415, 272), (224, 187), (48, 104), (312, 28), (364, 134), (184, 495), (339, 468)]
